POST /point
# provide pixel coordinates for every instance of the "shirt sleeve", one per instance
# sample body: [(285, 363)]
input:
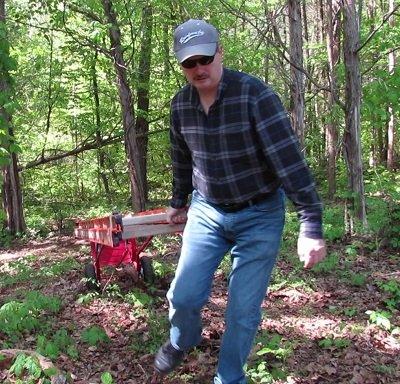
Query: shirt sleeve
[(282, 150), (181, 164)]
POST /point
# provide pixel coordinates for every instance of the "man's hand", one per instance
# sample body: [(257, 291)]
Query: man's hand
[(311, 251), (176, 215)]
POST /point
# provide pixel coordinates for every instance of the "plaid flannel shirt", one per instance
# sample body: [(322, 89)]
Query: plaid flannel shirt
[(243, 147)]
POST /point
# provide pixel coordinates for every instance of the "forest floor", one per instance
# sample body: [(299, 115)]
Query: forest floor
[(315, 328)]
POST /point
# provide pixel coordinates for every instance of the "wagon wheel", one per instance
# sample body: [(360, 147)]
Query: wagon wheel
[(91, 279), (147, 269)]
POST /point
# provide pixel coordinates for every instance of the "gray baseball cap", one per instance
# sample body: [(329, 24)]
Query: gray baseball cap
[(195, 37)]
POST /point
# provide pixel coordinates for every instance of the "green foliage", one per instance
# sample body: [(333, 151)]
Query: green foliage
[(261, 373), (392, 288), (275, 345), (350, 312), (333, 222), (274, 350), (61, 341), (18, 317), (106, 378), (94, 335), (27, 370), (334, 343), (155, 334), (87, 297), (138, 298), (162, 269), (380, 318), (5, 236), (28, 364), (25, 269), (328, 265), (354, 279)]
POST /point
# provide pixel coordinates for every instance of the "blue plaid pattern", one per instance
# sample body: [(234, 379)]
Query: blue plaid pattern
[(243, 147)]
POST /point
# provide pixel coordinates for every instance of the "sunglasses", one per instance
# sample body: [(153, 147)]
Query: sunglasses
[(204, 60)]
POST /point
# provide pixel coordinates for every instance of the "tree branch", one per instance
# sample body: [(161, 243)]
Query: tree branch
[(372, 34), (82, 148), (61, 155), (282, 50)]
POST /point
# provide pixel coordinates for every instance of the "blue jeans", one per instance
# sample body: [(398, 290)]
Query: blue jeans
[(253, 237)]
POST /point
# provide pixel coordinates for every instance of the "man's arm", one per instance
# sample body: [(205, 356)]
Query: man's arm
[(282, 151), (181, 164)]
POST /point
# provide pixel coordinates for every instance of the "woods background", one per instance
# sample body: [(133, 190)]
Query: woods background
[(85, 88)]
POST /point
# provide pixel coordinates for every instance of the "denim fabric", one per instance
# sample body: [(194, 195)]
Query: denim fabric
[(252, 236)]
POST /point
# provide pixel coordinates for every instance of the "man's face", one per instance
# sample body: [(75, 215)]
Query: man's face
[(204, 77)]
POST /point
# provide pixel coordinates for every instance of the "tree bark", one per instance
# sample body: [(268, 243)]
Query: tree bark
[(101, 157), (391, 122), (142, 122), (297, 77), (11, 188), (333, 47), (127, 108), (352, 136)]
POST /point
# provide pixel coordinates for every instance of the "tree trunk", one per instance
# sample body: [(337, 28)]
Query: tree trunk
[(11, 188), (101, 157), (142, 123), (127, 108), (297, 77), (333, 48), (352, 137), (391, 122)]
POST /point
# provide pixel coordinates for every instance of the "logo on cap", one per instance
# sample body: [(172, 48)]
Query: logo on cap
[(190, 36)]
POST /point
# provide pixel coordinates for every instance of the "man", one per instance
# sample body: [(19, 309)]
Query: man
[(234, 151)]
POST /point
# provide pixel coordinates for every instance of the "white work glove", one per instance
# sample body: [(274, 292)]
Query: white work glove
[(176, 215), (311, 251)]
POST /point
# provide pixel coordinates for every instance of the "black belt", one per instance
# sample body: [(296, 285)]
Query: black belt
[(235, 207)]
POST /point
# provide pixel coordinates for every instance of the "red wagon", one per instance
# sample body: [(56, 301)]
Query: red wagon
[(117, 240)]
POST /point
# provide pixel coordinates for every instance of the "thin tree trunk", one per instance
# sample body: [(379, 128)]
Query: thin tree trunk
[(142, 123), (128, 117), (391, 122), (333, 48), (297, 77), (352, 136), (11, 188), (100, 152)]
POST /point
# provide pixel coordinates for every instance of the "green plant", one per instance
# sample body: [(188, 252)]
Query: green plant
[(392, 288), (162, 269), (23, 270), (333, 223), (329, 264), (87, 297), (138, 298), (334, 343), (154, 336), (385, 369), (94, 335), (261, 373), (357, 279), (350, 312), (274, 345), (59, 342), (28, 369), (17, 317), (351, 250), (380, 318), (106, 378)]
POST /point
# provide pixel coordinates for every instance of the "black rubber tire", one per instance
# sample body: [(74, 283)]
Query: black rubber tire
[(147, 269), (91, 279)]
